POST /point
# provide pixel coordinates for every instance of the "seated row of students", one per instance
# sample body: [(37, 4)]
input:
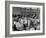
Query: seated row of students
[(25, 23)]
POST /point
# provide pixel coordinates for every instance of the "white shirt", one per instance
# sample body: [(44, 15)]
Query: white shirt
[(25, 21), (18, 24)]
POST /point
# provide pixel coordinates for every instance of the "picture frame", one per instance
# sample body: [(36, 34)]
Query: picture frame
[(13, 8)]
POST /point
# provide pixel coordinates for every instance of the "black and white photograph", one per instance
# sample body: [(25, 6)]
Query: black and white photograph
[(25, 19)]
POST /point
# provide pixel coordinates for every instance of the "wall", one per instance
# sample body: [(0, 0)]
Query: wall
[(25, 11), (16, 10), (2, 19)]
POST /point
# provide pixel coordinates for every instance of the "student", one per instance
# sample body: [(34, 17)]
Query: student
[(20, 24), (28, 27), (14, 26), (25, 23)]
